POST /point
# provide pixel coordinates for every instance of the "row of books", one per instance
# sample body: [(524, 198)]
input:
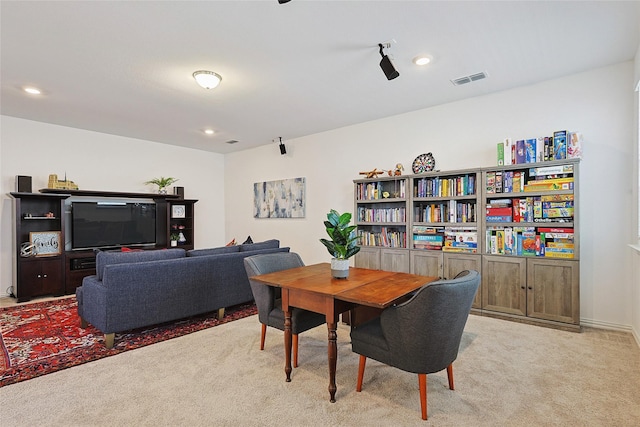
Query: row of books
[(449, 211), (447, 239), (366, 214), (544, 178), (529, 241), (376, 190), (463, 185), (562, 145), (389, 238), (547, 208)]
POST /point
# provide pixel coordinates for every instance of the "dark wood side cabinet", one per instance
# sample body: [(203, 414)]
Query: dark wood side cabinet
[(175, 217), (38, 216)]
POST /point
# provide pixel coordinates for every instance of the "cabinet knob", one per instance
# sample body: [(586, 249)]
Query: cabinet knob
[(44, 275), (39, 276)]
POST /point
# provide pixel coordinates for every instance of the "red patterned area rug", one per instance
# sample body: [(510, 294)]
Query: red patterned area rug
[(40, 338)]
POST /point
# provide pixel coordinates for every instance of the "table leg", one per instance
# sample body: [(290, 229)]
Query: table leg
[(287, 344), (333, 359)]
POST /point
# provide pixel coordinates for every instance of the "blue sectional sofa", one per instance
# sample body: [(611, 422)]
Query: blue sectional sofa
[(137, 289)]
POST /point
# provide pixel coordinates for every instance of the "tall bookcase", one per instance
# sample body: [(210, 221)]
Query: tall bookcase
[(381, 208), (521, 234), (531, 266)]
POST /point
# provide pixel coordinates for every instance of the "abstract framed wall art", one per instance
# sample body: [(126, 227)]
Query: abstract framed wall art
[(283, 198)]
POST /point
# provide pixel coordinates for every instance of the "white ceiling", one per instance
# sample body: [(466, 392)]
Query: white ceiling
[(290, 70)]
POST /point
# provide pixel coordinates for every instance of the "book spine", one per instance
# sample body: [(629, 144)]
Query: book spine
[(560, 145)]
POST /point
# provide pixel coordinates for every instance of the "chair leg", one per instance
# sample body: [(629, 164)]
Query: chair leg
[(294, 344), (422, 382), (450, 376), (363, 361), (263, 334)]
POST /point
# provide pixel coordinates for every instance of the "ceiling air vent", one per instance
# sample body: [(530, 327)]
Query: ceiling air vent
[(232, 141), (468, 79)]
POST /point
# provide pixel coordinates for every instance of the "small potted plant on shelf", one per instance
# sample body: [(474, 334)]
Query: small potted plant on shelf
[(343, 243), (162, 183), (174, 239)]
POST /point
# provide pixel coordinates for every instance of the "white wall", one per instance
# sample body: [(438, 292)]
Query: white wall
[(599, 103), (97, 161), (636, 255)]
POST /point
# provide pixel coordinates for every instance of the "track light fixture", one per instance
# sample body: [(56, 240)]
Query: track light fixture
[(283, 1), (386, 64), (283, 149)]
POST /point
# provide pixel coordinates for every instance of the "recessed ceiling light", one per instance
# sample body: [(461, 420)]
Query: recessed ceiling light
[(209, 131), (207, 79), (421, 60), (32, 90)]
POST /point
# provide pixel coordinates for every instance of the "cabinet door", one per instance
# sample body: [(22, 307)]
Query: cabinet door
[(52, 277), (41, 277), (503, 284), (426, 263), (553, 290), (394, 260), (455, 263), (368, 258)]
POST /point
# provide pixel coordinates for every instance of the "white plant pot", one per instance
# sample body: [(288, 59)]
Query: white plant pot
[(174, 243), (340, 268)]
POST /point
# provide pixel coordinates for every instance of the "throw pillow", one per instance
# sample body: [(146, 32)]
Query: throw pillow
[(249, 240), (232, 243)]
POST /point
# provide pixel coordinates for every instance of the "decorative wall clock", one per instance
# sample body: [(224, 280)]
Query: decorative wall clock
[(423, 163)]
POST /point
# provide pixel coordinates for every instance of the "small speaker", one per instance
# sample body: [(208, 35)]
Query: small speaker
[(179, 191), (388, 68), (283, 149), (23, 184)]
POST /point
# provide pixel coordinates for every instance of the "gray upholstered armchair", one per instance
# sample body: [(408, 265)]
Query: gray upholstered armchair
[(421, 335), (268, 298)]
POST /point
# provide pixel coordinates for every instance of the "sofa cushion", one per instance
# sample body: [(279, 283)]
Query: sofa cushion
[(107, 258), (213, 251), (267, 244)]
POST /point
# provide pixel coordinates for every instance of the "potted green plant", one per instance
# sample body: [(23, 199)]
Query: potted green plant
[(343, 243), (162, 183), (174, 237)]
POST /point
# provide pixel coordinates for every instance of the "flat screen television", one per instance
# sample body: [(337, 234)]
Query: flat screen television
[(109, 224)]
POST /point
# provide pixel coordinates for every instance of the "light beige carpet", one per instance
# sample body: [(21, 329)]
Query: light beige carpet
[(507, 374)]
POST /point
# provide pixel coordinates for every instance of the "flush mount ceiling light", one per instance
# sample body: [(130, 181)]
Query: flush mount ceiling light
[(32, 90), (386, 64), (421, 60), (207, 79), (209, 131)]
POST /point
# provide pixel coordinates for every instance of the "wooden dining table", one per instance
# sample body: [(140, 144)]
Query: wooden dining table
[(313, 288)]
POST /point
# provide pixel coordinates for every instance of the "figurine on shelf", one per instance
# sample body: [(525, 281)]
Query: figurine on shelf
[(57, 184), (397, 171), (373, 173)]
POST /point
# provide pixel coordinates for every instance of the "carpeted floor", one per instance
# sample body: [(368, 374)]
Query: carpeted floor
[(507, 374), (44, 337)]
